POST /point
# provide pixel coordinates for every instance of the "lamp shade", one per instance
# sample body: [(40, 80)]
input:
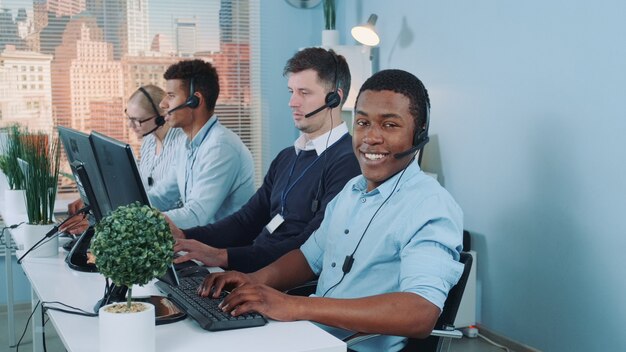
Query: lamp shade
[(366, 33)]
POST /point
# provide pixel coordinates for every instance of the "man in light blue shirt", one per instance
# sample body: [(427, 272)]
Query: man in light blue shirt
[(387, 250), (213, 173)]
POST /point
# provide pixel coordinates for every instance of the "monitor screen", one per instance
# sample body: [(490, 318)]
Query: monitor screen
[(119, 171), (85, 169)]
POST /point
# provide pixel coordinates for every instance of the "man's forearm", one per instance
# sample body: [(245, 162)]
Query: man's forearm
[(288, 271), (399, 313)]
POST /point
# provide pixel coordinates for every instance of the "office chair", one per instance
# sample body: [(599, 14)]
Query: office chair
[(444, 331)]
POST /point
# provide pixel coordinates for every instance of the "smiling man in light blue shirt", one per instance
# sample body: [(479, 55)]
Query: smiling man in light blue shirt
[(212, 175), (387, 250)]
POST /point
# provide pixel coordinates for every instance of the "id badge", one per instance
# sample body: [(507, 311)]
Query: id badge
[(274, 223)]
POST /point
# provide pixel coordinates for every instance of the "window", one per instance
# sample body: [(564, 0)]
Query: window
[(92, 55)]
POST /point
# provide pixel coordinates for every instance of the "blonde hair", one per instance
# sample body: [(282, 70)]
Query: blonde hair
[(155, 93)]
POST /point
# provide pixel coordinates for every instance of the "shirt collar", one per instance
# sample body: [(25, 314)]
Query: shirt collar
[(319, 144), (201, 135), (385, 189)]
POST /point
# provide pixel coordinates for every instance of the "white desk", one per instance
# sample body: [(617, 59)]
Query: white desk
[(53, 280)]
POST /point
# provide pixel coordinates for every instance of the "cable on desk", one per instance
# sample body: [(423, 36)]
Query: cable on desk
[(17, 346), (43, 329), (75, 311), (6, 243)]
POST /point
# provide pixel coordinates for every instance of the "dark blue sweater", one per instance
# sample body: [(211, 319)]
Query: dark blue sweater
[(249, 244)]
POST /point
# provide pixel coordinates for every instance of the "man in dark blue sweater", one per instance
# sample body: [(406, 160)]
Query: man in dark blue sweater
[(301, 180)]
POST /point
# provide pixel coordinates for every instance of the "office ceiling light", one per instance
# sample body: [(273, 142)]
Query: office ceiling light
[(366, 33)]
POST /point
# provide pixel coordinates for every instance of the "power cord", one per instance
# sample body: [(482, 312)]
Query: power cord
[(75, 311), (17, 346), (7, 244), (493, 342)]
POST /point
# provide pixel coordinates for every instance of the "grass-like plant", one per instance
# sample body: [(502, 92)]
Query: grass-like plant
[(41, 174), (133, 245), (329, 14), (11, 151)]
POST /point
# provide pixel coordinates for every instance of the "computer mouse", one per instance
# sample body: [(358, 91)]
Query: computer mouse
[(193, 271)]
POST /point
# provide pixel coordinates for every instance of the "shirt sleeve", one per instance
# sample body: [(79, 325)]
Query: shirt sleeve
[(214, 173), (250, 258), (430, 264), (241, 227)]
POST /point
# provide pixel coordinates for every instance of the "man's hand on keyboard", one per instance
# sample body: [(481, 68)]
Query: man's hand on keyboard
[(210, 256), (248, 296), (216, 282), (261, 299)]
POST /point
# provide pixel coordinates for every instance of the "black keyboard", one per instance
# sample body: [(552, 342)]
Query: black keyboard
[(204, 309)]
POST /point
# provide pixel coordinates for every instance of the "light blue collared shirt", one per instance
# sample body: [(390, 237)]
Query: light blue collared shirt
[(412, 244), (213, 174), (154, 167)]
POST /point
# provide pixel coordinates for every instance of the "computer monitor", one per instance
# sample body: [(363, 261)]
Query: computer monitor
[(85, 168), (119, 171)]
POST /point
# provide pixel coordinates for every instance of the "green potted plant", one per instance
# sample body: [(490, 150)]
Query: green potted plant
[(330, 36), (39, 164), (132, 246), (329, 14), (11, 151)]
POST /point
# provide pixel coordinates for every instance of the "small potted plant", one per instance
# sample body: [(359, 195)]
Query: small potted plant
[(39, 164), (132, 246), (11, 151), (330, 36)]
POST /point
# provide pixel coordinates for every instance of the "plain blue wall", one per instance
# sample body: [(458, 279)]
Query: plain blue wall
[(284, 30), (528, 130)]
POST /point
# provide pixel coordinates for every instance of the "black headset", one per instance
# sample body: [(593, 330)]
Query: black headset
[(159, 120), (420, 138), (333, 99), (192, 100)]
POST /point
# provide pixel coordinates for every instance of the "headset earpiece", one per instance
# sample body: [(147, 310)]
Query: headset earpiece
[(332, 99), (192, 100), (159, 120)]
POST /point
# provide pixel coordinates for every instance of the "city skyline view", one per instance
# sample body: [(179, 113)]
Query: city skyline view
[(75, 62)]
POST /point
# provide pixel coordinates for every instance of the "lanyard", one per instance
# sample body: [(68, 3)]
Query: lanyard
[(189, 170), (288, 188)]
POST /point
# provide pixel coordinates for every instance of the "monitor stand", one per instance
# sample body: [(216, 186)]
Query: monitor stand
[(77, 257)]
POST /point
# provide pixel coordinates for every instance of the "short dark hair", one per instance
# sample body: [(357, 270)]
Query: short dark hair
[(205, 78), (405, 83), (332, 69)]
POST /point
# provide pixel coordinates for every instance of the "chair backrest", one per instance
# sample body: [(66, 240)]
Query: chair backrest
[(450, 308)]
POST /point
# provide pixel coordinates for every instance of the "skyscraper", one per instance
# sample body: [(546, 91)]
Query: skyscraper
[(25, 89), (186, 33), (84, 72), (124, 23)]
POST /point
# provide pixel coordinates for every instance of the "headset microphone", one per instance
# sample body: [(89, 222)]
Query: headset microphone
[(191, 102), (419, 139), (333, 99), (154, 129), (411, 150), (159, 120), (315, 111)]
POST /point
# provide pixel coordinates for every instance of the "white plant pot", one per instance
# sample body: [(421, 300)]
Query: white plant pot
[(330, 37), (132, 332), (33, 233), (15, 201)]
